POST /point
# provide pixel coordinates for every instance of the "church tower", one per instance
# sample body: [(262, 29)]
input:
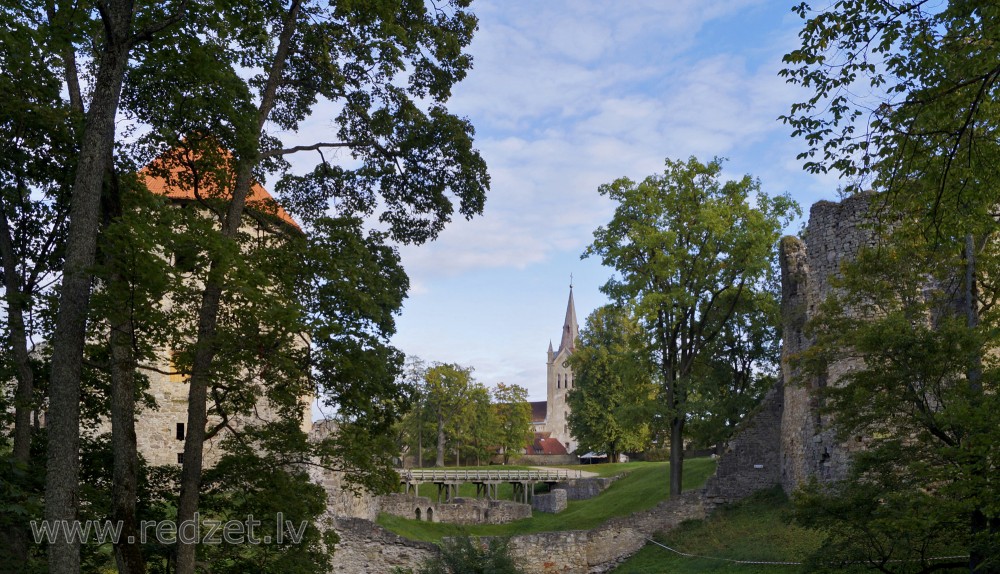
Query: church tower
[(560, 379)]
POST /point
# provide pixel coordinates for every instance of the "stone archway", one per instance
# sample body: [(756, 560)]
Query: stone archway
[(430, 514), (418, 514)]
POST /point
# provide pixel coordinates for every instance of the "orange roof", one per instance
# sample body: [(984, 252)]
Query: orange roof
[(154, 176), (543, 443)]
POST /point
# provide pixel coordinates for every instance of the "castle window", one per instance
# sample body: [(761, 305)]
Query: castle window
[(180, 458), (180, 431), (558, 381)]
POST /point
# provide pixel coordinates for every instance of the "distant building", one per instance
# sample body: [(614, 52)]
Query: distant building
[(550, 418)]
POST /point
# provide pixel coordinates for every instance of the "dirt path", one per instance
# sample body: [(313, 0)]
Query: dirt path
[(582, 473)]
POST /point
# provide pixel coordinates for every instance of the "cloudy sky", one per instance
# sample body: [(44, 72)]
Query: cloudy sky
[(567, 95)]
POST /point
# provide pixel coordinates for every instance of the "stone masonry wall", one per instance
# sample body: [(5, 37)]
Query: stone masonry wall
[(367, 548), (552, 502), (603, 548), (751, 459), (459, 511), (835, 233)]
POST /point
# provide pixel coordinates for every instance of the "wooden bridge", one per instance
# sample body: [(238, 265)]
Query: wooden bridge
[(486, 481)]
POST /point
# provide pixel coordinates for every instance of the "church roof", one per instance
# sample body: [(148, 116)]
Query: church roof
[(163, 176), (543, 443), (570, 328), (538, 411)]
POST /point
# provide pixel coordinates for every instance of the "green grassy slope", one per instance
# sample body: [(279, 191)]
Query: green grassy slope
[(643, 487), (756, 529)]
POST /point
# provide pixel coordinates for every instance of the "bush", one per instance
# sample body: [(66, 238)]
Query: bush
[(471, 556)]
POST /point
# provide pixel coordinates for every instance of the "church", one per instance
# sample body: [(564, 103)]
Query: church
[(550, 418)]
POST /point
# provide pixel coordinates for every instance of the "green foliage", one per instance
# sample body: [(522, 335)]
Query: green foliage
[(465, 555), (613, 391), (513, 417), (756, 529), (740, 366), (687, 249)]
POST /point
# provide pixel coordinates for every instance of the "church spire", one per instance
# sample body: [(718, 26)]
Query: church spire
[(570, 329)]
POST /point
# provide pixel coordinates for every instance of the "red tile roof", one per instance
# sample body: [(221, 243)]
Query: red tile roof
[(544, 444), (163, 177)]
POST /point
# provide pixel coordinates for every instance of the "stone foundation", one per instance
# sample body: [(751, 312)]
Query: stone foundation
[(552, 502), (584, 488)]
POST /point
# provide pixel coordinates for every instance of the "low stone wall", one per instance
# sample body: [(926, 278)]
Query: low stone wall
[(459, 511), (584, 488), (552, 502), (603, 548), (367, 548)]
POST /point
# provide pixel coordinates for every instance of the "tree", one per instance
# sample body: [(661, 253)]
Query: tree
[(687, 249), (474, 428), (513, 418), (928, 142), (447, 392), (613, 391), (739, 368)]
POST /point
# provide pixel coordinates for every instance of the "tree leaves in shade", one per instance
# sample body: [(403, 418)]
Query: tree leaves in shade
[(613, 392)]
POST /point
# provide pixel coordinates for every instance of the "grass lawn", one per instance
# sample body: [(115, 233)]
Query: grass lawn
[(756, 529), (643, 487)]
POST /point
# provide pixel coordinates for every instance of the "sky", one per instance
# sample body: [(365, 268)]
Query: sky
[(568, 95)]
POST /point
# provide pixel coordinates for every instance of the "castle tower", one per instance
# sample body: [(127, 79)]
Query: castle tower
[(560, 379)]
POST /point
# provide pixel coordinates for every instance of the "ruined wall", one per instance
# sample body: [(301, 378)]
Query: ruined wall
[(340, 500), (367, 548), (751, 459), (458, 511), (835, 233), (603, 548), (552, 502)]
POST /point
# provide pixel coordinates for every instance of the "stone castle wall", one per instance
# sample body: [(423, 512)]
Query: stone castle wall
[(834, 235)]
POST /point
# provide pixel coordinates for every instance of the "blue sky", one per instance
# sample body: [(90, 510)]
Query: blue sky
[(567, 95)]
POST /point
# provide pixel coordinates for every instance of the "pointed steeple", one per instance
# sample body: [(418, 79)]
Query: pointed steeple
[(570, 329)]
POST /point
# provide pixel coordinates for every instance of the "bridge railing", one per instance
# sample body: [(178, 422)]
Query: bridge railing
[(477, 475)]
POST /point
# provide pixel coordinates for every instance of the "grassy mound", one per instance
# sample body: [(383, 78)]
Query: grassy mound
[(756, 529), (643, 487)]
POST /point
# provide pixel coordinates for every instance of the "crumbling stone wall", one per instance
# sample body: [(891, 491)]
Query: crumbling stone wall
[(367, 548), (552, 502), (458, 511), (603, 548), (341, 501), (834, 235), (751, 459)]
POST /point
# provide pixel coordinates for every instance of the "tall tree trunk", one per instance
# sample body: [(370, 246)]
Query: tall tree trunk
[(18, 341), (128, 552), (676, 455), (16, 537), (439, 461), (63, 420), (979, 522), (208, 313), (125, 471)]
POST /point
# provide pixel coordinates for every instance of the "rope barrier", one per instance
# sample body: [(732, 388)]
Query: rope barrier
[(687, 555)]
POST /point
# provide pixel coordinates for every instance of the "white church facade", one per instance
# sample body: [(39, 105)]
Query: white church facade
[(550, 418)]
